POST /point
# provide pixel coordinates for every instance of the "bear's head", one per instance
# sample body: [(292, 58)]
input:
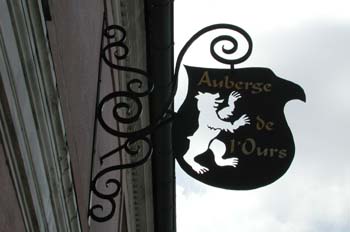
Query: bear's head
[(208, 100)]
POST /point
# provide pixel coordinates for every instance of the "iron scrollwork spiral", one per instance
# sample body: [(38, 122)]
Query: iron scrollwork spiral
[(136, 88), (215, 41), (127, 109), (113, 184)]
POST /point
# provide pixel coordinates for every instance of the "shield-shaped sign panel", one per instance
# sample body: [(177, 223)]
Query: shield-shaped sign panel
[(231, 131)]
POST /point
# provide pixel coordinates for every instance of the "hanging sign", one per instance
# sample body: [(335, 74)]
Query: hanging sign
[(231, 131)]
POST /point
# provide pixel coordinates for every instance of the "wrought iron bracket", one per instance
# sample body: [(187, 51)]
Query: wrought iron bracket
[(127, 110)]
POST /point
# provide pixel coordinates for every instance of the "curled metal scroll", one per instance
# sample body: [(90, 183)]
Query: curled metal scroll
[(113, 184), (135, 86), (134, 90), (216, 40), (127, 109), (121, 52)]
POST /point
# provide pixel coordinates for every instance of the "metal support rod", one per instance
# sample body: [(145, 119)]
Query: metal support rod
[(159, 20)]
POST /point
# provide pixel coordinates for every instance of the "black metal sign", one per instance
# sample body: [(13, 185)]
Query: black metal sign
[(231, 131)]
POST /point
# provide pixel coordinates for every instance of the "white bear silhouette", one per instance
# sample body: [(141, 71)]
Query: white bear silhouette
[(210, 125)]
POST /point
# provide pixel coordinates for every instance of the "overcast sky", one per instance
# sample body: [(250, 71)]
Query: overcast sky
[(306, 42)]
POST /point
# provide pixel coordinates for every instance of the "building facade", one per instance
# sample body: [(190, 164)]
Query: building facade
[(51, 141)]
